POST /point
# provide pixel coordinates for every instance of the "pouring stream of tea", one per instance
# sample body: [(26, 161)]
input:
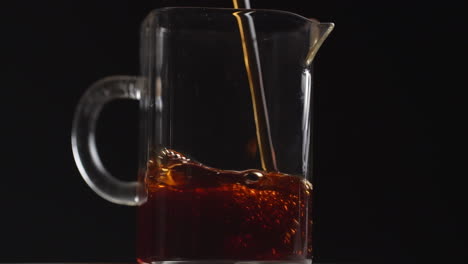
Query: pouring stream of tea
[(257, 92)]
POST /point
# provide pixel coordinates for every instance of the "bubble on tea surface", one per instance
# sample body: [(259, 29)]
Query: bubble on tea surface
[(252, 176)]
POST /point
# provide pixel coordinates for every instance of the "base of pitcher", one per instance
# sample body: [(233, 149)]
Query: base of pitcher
[(306, 261)]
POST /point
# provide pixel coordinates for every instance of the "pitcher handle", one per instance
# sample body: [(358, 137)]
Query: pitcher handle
[(83, 138)]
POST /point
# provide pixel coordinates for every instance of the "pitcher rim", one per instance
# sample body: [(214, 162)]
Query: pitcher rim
[(310, 20)]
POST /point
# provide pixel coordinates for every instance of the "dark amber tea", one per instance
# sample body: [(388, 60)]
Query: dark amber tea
[(194, 212)]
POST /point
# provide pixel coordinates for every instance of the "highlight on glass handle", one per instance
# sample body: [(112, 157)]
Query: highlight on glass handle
[(83, 138)]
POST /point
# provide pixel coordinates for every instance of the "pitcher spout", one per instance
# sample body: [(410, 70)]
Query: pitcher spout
[(320, 32)]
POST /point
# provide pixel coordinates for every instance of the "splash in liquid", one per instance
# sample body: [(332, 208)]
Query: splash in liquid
[(197, 212)]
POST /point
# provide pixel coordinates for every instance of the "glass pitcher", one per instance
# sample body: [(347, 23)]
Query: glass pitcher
[(225, 132)]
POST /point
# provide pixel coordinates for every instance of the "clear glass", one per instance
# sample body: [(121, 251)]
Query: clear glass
[(225, 99)]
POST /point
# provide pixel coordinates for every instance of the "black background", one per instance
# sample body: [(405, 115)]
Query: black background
[(389, 117)]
